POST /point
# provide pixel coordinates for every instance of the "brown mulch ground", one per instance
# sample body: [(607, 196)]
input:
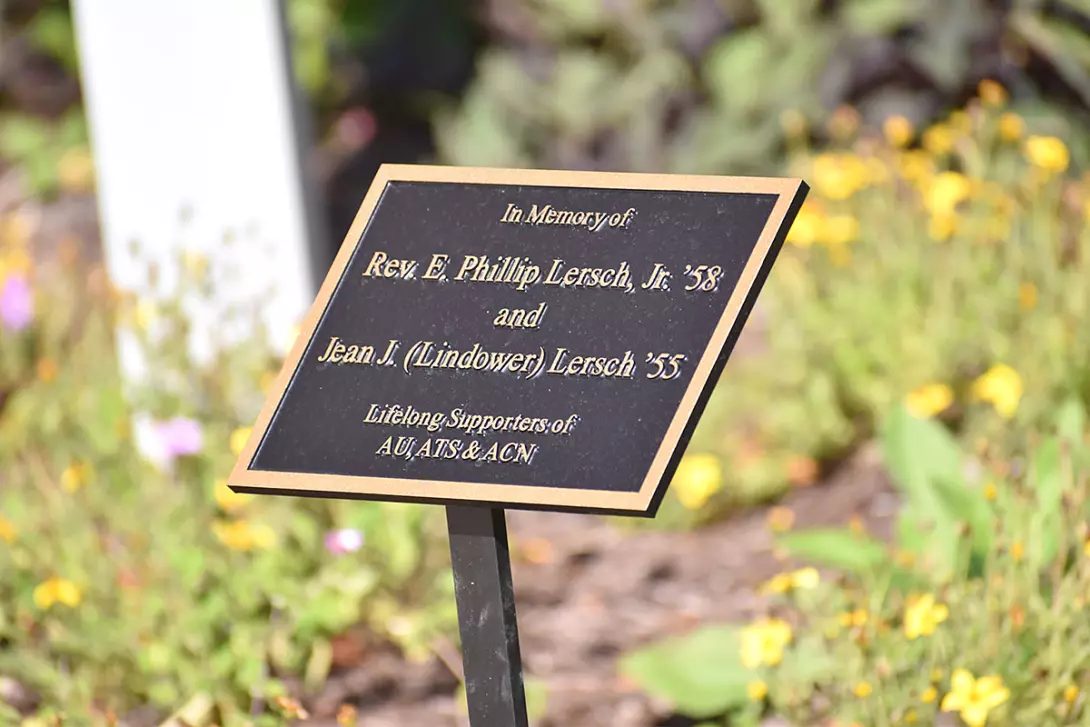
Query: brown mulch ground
[(599, 592)]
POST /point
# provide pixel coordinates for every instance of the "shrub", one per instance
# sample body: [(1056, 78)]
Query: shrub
[(954, 270), (701, 87), (131, 574), (976, 610)]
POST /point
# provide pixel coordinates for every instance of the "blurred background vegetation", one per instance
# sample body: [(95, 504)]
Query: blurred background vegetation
[(939, 267)]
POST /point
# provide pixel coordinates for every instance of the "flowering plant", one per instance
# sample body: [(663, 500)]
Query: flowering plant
[(133, 576), (976, 611), (949, 263)]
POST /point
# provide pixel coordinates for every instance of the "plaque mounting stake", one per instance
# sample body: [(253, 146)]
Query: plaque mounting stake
[(483, 588)]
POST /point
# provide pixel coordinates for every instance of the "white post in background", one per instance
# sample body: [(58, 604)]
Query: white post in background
[(192, 105)]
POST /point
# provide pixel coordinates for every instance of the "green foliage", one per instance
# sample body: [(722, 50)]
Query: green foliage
[(908, 631), (703, 87), (52, 155), (956, 270), (700, 674), (132, 581)]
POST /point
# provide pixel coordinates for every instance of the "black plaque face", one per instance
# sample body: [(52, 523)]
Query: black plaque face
[(518, 338)]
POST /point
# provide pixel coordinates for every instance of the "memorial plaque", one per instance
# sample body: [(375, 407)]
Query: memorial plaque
[(517, 338)]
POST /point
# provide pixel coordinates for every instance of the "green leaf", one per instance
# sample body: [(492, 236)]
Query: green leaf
[(808, 662), (735, 67), (786, 19), (836, 548), (1048, 480), (22, 136), (1071, 420), (700, 674), (51, 31), (917, 453), (318, 665), (537, 694), (879, 17)]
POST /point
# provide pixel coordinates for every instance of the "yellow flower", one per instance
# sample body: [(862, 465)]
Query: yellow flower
[(910, 716), (17, 229), (780, 519), (844, 122), (960, 123), (195, 263), (227, 499), (57, 590), (7, 530), (1071, 693), (76, 170), (839, 255), (1011, 127), (75, 476), (1027, 296), (973, 698), (991, 93), (1047, 153), (793, 123), (17, 261), (1002, 387), (839, 176), (146, 311), (942, 227), (898, 130), (915, 165), (858, 617), (929, 695), (922, 615), (946, 192), (239, 438), (856, 525), (990, 492), (938, 140), (804, 579), (763, 642), (244, 536), (840, 230), (698, 477), (808, 226), (757, 690), (863, 690), (1017, 550), (929, 399), (46, 369)]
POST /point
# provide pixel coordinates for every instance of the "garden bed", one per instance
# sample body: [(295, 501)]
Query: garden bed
[(588, 591)]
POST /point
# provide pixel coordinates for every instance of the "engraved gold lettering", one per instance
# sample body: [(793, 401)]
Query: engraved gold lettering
[(595, 221), (329, 349), (383, 266), (436, 267), (519, 317), (536, 216), (657, 279), (606, 367), (577, 277), (388, 357)]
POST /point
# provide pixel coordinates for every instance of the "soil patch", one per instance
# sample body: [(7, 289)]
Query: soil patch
[(589, 592)]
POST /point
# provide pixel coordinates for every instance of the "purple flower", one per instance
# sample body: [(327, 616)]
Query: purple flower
[(16, 303), (181, 437), (345, 540)]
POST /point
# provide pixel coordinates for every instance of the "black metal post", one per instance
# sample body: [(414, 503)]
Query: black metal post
[(491, 661)]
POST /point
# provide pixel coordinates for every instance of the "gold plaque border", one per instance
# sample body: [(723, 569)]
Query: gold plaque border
[(790, 192)]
